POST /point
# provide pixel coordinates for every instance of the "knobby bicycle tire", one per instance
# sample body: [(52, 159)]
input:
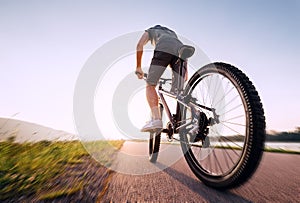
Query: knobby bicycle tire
[(154, 142), (250, 153)]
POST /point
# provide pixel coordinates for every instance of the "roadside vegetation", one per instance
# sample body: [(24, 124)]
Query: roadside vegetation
[(290, 136), (26, 169)]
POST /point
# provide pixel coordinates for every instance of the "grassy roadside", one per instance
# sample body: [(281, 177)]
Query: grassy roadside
[(27, 168), (284, 151), (266, 149)]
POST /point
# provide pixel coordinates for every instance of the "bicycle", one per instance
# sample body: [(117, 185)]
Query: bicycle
[(220, 121)]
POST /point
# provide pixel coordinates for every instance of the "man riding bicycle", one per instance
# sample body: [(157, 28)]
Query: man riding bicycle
[(167, 46), (219, 103)]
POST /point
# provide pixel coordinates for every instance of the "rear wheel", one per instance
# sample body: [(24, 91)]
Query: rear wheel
[(231, 144)]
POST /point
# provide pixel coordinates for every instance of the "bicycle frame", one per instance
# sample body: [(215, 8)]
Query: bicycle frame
[(172, 118), (175, 119)]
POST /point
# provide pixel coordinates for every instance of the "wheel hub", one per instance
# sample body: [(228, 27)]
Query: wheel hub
[(200, 129)]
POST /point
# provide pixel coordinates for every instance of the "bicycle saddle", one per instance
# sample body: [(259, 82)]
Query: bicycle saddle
[(186, 51)]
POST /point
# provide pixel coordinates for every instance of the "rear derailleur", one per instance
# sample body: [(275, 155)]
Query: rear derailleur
[(200, 128)]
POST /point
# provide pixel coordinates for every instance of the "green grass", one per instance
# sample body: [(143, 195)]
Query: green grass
[(267, 149), (62, 192), (103, 151), (27, 168), (285, 151)]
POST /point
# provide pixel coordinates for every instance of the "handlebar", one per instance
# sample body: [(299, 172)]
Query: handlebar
[(161, 80)]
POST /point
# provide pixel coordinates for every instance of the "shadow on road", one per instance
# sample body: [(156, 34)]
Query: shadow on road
[(209, 194)]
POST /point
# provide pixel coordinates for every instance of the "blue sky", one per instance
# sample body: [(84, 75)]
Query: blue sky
[(44, 45)]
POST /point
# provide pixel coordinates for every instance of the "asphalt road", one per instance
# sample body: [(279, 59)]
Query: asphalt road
[(170, 179)]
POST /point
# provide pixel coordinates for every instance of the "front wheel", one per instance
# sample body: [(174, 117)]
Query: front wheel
[(154, 141), (154, 144), (234, 124)]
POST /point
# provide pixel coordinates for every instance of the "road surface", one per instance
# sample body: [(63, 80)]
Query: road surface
[(170, 180)]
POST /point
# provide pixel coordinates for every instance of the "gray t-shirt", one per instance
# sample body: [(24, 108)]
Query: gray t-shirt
[(164, 39)]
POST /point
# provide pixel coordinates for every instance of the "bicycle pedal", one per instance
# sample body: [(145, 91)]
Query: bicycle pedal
[(165, 130), (157, 130)]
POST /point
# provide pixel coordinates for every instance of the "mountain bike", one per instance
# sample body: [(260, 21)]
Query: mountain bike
[(220, 121)]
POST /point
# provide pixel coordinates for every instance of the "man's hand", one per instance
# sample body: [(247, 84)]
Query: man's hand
[(139, 72)]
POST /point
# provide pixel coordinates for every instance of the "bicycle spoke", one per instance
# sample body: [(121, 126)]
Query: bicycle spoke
[(231, 109), (207, 93), (216, 86), (202, 94), (240, 116), (238, 133), (226, 139), (228, 145), (239, 124), (217, 163), (227, 104), (226, 158), (210, 165), (225, 94)]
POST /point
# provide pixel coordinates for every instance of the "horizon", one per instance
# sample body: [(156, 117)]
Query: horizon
[(46, 44), (62, 132)]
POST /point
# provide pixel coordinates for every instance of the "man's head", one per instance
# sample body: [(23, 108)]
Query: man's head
[(157, 27)]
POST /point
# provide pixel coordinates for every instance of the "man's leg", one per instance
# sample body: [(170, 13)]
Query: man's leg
[(152, 99), (155, 123), (158, 65)]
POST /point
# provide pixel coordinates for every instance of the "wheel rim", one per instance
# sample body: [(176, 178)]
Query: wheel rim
[(227, 139)]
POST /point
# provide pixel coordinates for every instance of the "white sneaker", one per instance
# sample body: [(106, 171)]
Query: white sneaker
[(152, 125)]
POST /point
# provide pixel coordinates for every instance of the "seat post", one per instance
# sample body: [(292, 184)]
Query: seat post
[(180, 77), (184, 53)]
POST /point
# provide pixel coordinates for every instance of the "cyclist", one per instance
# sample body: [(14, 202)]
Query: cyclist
[(166, 50)]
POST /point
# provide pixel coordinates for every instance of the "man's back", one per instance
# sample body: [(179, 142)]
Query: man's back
[(164, 39)]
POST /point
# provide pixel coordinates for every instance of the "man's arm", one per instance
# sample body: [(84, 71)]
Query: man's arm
[(139, 53)]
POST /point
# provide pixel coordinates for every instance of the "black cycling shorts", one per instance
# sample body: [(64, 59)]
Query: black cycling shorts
[(159, 63)]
